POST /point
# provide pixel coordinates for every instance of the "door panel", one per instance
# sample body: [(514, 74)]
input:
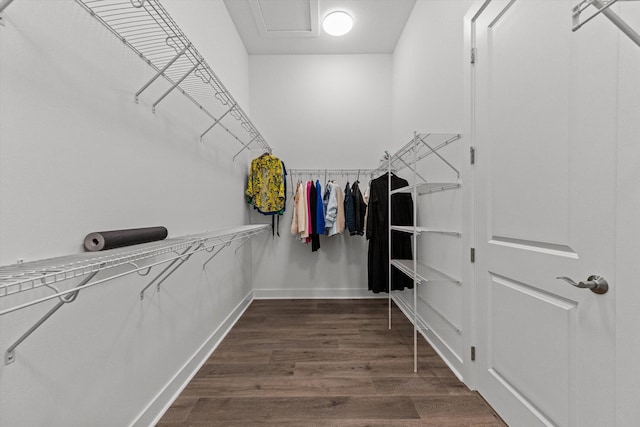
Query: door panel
[(545, 129), (518, 359)]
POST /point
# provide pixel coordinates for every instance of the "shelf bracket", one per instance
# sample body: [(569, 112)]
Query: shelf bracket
[(244, 146), (439, 155), (9, 356), (409, 166), (175, 85), (217, 121), (161, 72), (165, 270), (215, 253), (603, 8), (244, 240), (3, 6)]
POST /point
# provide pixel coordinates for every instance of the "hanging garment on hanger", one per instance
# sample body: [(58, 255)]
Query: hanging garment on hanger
[(309, 210), (267, 185), (320, 210), (303, 209), (365, 197), (349, 210), (332, 208), (359, 209), (340, 222), (377, 233), (315, 237), (295, 226), (267, 188)]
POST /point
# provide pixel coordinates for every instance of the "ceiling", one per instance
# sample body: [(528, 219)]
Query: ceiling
[(294, 26)]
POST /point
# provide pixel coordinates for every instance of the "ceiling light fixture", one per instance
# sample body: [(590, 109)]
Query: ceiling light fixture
[(337, 23)]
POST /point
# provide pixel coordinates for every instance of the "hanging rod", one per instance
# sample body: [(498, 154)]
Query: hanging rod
[(603, 7), (148, 29), (330, 172)]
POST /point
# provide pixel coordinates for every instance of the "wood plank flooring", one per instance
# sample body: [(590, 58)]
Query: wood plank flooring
[(325, 363)]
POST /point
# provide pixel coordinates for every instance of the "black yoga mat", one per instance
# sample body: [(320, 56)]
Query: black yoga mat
[(102, 240)]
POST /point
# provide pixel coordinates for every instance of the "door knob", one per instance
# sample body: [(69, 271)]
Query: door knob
[(597, 284)]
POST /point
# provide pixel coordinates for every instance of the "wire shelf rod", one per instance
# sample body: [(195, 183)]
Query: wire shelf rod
[(330, 171)]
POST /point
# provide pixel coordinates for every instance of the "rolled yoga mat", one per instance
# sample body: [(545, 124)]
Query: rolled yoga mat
[(103, 240)]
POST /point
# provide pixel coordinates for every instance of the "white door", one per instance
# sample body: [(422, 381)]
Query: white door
[(545, 105)]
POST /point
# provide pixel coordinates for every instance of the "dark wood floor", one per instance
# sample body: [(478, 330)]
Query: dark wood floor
[(325, 363)]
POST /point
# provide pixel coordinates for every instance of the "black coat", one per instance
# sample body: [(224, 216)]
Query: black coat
[(377, 233), (360, 209)]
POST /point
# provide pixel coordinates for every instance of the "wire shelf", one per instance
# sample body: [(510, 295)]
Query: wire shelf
[(419, 230), (152, 34), (23, 277), (428, 143), (424, 273)]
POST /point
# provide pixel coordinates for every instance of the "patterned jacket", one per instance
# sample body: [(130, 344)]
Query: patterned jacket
[(266, 189)]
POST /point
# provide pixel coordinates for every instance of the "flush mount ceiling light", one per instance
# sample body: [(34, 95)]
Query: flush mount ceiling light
[(337, 23)]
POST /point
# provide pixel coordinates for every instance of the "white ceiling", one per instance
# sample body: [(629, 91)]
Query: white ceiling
[(294, 26)]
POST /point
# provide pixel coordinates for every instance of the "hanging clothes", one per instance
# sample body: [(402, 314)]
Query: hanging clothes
[(313, 198), (299, 217), (359, 209), (377, 233), (365, 197), (267, 187), (340, 220), (334, 217), (303, 218), (319, 210), (349, 210), (309, 210)]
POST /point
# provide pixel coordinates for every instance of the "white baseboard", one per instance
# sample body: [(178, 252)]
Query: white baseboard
[(316, 293), (163, 400), (444, 351)]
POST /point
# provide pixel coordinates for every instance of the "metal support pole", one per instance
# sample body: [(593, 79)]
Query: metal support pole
[(415, 253), (9, 356), (161, 72), (162, 272), (175, 85), (438, 154), (4, 4), (618, 22), (389, 287), (216, 122)]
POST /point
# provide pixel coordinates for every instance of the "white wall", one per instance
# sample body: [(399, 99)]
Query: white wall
[(78, 155), (427, 70), (427, 98), (320, 111)]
